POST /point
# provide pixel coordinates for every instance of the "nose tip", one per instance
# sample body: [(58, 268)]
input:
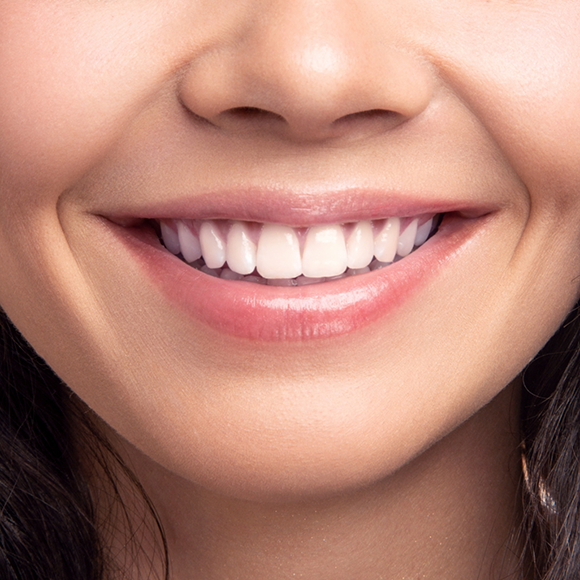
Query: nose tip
[(308, 77)]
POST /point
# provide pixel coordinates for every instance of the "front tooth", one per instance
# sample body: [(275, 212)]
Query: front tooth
[(360, 246), (387, 239), (324, 252), (170, 238), (407, 239), (241, 250), (213, 246), (278, 254), (423, 232), (190, 247)]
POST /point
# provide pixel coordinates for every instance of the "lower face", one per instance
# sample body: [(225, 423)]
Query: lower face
[(294, 307)]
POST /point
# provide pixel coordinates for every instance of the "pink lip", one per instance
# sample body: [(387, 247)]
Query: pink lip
[(271, 313), (298, 209)]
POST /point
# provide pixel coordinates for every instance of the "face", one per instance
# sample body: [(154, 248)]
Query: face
[(126, 122)]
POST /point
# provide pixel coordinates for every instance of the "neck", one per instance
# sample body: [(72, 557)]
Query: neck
[(449, 513)]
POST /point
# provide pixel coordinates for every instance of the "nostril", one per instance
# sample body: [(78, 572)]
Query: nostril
[(371, 116), (360, 122), (252, 114)]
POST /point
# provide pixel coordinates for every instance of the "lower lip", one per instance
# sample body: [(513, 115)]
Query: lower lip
[(273, 313)]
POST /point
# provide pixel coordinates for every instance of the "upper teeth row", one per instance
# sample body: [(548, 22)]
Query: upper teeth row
[(280, 252)]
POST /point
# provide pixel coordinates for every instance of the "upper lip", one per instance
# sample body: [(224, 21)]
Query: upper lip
[(301, 209)]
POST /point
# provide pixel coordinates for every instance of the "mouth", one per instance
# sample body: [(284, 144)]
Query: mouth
[(266, 271), (281, 255)]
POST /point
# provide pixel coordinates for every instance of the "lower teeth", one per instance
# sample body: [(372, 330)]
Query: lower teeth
[(227, 274)]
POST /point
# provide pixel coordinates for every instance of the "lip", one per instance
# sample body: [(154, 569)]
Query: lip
[(299, 209), (271, 313)]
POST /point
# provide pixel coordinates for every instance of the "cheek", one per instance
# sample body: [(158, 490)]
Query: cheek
[(525, 87), (72, 79)]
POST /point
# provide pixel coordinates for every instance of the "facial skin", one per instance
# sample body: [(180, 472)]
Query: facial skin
[(107, 108)]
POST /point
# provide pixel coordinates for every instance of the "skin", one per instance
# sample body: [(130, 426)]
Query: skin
[(390, 452)]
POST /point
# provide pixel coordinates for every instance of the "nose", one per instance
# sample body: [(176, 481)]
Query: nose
[(308, 70)]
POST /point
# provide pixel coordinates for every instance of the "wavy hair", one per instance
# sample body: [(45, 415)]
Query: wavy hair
[(551, 457), (51, 521)]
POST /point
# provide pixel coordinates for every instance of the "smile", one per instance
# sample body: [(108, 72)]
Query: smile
[(312, 270), (281, 255)]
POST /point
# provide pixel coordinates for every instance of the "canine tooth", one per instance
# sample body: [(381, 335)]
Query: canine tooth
[(189, 242), (407, 239), (213, 246), (324, 252), (241, 250), (278, 254), (360, 246), (387, 239), (170, 238), (423, 232)]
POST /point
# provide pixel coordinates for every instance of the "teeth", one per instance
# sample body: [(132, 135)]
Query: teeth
[(170, 238), (278, 253), (281, 255), (407, 239), (423, 232), (241, 250), (213, 246), (324, 252), (387, 240), (360, 246), (189, 242)]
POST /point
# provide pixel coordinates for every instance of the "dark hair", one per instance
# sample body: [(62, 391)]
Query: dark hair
[(551, 457), (50, 525), (51, 520)]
